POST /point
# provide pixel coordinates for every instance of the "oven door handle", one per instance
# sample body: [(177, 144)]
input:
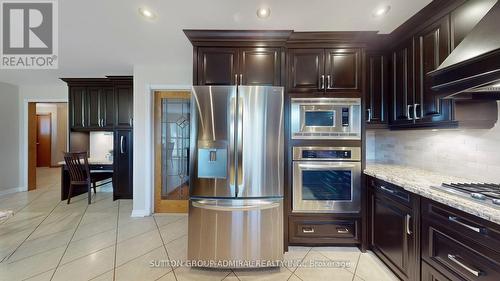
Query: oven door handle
[(317, 166)]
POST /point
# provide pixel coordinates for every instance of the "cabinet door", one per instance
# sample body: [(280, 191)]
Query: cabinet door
[(260, 66), (376, 97), (93, 107), (217, 66), (342, 70), (389, 236), (306, 70), (402, 85), (108, 107), (77, 107), (122, 170), (124, 106), (432, 46)]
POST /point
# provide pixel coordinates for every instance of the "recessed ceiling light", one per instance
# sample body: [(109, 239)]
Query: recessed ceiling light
[(263, 13), (381, 11), (147, 13)]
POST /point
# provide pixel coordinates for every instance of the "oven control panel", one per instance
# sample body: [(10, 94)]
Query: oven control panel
[(327, 153)]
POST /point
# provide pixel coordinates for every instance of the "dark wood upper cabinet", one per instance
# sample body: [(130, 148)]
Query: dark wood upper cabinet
[(108, 107), (77, 107), (306, 68), (260, 67), (94, 96), (432, 46), (217, 66), (377, 88), (402, 97), (124, 106), (342, 69)]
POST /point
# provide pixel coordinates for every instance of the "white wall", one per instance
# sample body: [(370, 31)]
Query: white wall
[(33, 93), (473, 154), (147, 78), (9, 142)]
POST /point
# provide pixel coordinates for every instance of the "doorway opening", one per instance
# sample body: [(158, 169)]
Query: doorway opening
[(172, 131), (47, 142)]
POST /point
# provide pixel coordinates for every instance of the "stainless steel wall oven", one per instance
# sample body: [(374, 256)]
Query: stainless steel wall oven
[(326, 179)]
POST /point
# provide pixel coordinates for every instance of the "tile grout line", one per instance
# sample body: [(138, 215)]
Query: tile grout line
[(67, 246), (116, 239), (38, 225), (164, 246), (356, 268), (29, 203)]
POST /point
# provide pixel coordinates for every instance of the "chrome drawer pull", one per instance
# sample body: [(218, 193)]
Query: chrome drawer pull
[(455, 220), (342, 230), (387, 189), (308, 230), (454, 259), (408, 218)]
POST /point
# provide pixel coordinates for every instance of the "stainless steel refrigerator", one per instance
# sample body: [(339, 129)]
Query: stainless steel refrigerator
[(236, 176)]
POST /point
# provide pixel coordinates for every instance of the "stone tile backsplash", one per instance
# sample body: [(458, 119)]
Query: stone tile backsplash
[(469, 153)]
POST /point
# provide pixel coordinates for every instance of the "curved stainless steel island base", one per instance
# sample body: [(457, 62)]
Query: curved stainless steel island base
[(236, 233)]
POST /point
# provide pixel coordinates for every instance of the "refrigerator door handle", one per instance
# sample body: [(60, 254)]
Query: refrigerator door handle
[(226, 206), (232, 142), (239, 140)]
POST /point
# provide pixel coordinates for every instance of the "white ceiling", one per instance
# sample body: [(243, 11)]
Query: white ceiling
[(108, 37)]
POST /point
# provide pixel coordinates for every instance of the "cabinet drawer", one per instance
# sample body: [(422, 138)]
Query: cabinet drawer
[(322, 231), (457, 257), (431, 274), (391, 191), (476, 229)]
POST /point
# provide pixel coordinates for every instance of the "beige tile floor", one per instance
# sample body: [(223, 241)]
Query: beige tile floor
[(50, 240)]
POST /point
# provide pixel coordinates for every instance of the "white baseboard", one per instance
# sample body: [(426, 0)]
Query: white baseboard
[(139, 213), (12, 190)]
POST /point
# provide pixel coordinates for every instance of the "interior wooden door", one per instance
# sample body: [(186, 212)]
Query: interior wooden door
[(32, 135), (172, 118), (43, 140)]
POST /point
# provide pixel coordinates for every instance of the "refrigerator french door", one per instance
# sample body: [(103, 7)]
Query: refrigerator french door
[(236, 176)]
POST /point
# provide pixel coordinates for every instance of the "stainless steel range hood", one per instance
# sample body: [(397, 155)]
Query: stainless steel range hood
[(472, 70)]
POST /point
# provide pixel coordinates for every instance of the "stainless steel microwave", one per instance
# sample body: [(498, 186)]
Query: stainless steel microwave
[(326, 118)]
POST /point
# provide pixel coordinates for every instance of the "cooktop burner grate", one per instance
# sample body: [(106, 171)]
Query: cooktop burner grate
[(477, 190)]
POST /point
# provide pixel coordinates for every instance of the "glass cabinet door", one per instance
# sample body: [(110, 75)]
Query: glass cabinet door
[(172, 128)]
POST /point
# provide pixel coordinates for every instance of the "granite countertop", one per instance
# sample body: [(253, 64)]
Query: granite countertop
[(421, 182), (93, 161)]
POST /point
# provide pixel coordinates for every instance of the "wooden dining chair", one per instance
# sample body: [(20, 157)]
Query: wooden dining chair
[(80, 174)]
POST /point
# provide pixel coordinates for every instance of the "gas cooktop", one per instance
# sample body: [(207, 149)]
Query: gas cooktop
[(484, 192)]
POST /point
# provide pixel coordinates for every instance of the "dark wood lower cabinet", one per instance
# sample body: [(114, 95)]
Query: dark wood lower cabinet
[(420, 239), (307, 230), (393, 221), (123, 167)]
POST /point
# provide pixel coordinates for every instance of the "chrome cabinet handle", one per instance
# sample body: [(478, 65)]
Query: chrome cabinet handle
[(454, 259), (369, 111), (307, 230), (322, 86), (408, 218), (130, 121), (415, 115), (241, 79), (342, 230), (329, 82), (408, 107), (455, 220), (387, 189), (121, 145), (236, 79)]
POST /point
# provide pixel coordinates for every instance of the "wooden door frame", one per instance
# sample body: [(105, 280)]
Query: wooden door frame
[(32, 133), (164, 206), (26, 172), (50, 136)]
